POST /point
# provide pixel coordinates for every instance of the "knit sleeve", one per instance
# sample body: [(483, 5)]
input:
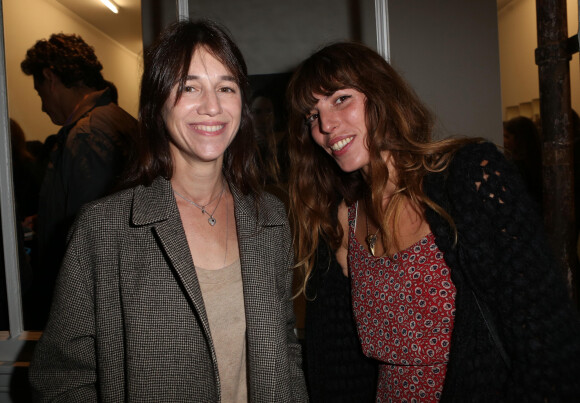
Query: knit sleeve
[(506, 260), (336, 368), (494, 214), (481, 177)]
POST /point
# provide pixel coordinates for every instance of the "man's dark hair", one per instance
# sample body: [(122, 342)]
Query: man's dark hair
[(69, 57)]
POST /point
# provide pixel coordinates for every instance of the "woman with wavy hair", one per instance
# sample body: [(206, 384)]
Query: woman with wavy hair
[(178, 289), (445, 257)]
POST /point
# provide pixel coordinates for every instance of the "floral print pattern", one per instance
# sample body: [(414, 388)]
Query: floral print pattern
[(404, 310)]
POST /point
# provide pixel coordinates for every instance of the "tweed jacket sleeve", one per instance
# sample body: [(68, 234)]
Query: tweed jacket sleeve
[(501, 255), (64, 368)]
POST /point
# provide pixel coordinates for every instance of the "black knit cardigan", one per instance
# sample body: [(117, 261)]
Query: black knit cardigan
[(502, 257)]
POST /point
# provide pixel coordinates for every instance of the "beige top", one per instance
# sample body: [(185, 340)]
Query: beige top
[(223, 298)]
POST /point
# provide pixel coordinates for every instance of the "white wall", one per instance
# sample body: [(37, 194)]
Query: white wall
[(25, 22), (518, 41), (448, 51), (276, 35)]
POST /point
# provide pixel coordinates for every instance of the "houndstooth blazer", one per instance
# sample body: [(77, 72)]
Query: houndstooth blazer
[(128, 323)]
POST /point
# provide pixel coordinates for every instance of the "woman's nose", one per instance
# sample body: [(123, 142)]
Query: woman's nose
[(328, 122), (210, 104)]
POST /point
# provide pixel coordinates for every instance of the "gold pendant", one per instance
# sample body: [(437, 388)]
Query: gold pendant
[(372, 241)]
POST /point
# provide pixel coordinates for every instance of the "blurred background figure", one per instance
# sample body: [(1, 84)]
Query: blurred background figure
[(264, 118), (26, 179), (522, 145), (272, 143), (26, 173), (89, 151)]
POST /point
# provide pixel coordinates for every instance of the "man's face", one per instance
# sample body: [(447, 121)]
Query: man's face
[(49, 101)]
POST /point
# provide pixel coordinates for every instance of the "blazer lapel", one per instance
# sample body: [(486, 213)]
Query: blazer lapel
[(259, 282), (155, 206)]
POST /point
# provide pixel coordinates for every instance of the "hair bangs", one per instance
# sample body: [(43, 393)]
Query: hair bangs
[(316, 78)]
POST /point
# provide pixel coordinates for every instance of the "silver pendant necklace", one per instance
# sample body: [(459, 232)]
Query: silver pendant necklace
[(211, 220)]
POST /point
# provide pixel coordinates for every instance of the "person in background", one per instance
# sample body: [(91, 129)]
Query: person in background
[(91, 146), (454, 291), (26, 181), (26, 174), (178, 289), (262, 110)]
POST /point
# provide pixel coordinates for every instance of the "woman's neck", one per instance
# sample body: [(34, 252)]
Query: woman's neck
[(199, 187), (391, 186)]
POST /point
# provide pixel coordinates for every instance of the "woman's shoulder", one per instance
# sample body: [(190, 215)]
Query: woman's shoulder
[(108, 214), (102, 220), (272, 200), (476, 153), (480, 179), (269, 207), (477, 170), (106, 204), (479, 162), (147, 198)]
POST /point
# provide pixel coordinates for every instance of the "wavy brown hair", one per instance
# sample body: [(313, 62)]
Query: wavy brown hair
[(166, 65), (396, 121)]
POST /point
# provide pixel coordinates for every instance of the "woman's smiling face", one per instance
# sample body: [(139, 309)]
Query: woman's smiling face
[(207, 116), (338, 125)]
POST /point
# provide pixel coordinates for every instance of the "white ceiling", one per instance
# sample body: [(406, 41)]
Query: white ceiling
[(124, 27)]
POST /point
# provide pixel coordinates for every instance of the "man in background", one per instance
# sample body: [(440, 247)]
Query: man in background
[(90, 148)]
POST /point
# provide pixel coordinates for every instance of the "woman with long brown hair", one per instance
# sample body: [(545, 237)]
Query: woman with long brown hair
[(178, 289), (446, 259)]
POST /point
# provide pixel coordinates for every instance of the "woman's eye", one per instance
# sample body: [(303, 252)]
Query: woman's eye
[(188, 88), (228, 90), (342, 98), (311, 118)]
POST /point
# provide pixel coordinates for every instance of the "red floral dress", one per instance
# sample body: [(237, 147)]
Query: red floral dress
[(404, 309)]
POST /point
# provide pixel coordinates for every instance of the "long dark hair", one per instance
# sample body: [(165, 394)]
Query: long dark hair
[(166, 65), (396, 121)]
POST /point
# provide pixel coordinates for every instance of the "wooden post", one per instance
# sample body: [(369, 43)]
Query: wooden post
[(552, 58)]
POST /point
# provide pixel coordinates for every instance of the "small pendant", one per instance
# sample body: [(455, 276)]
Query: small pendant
[(372, 241), (211, 221)]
